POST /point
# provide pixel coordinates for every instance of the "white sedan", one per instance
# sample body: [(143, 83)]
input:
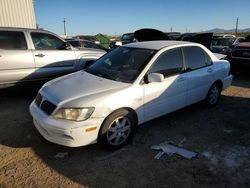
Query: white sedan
[(130, 85)]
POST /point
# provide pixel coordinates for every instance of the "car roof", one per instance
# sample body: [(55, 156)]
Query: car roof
[(24, 29), (156, 45)]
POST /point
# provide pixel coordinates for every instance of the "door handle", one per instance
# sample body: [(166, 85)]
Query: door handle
[(39, 55), (181, 79), (210, 70)]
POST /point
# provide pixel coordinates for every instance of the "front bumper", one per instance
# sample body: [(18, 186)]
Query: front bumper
[(64, 132)]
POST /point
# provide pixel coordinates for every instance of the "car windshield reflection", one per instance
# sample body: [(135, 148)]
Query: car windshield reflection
[(122, 64)]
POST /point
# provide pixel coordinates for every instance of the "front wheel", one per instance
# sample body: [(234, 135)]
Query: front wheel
[(213, 95), (117, 129)]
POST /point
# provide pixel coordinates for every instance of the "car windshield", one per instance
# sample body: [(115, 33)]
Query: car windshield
[(129, 36), (122, 64), (223, 41)]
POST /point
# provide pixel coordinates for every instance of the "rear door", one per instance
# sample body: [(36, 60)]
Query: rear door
[(200, 71), (52, 57), (16, 60), (169, 95)]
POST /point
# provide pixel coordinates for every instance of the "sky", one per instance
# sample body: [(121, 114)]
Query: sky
[(114, 17)]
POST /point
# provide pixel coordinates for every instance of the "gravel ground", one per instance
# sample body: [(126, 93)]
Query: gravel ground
[(220, 136)]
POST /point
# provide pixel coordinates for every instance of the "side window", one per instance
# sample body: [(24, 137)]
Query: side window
[(208, 60), (12, 40), (196, 57), (43, 41), (169, 63)]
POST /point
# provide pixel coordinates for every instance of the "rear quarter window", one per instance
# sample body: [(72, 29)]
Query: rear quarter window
[(12, 40)]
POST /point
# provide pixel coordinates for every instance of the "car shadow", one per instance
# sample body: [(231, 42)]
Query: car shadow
[(203, 128), (242, 79)]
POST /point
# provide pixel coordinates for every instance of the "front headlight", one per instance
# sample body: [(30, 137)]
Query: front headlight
[(74, 114)]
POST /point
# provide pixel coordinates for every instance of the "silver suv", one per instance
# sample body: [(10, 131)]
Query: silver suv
[(31, 54)]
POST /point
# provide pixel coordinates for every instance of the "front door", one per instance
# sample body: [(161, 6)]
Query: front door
[(164, 97), (52, 58)]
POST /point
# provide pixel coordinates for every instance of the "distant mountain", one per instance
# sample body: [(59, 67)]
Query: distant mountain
[(219, 30)]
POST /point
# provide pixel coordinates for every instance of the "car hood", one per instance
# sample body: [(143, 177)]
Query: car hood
[(89, 50), (77, 85), (202, 38), (244, 45), (150, 35)]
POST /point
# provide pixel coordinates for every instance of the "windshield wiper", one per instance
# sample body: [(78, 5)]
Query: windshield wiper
[(91, 71), (105, 75), (100, 74)]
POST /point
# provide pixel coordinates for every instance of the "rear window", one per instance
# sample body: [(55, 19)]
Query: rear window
[(12, 40)]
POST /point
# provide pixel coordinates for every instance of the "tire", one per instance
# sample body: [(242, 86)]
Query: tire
[(213, 95), (117, 129)]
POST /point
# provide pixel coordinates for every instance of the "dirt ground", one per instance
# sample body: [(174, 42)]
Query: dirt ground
[(220, 136)]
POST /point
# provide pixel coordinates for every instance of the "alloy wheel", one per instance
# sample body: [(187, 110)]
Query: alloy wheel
[(119, 131), (214, 95)]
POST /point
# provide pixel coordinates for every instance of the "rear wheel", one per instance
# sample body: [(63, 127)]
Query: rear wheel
[(213, 95), (117, 129)]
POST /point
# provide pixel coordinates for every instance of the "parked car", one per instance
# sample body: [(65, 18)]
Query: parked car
[(115, 43), (201, 38), (238, 40), (221, 44), (174, 35), (31, 54), (127, 38), (239, 55), (148, 34), (126, 87), (141, 35), (224, 35), (80, 44)]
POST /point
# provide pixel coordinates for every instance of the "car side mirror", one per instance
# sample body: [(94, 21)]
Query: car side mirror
[(67, 46), (64, 46), (88, 63), (155, 77)]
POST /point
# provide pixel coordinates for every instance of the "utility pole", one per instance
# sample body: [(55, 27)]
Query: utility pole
[(171, 29), (64, 24), (236, 28)]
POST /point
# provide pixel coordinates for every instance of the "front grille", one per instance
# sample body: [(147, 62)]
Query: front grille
[(45, 105), (241, 54)]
